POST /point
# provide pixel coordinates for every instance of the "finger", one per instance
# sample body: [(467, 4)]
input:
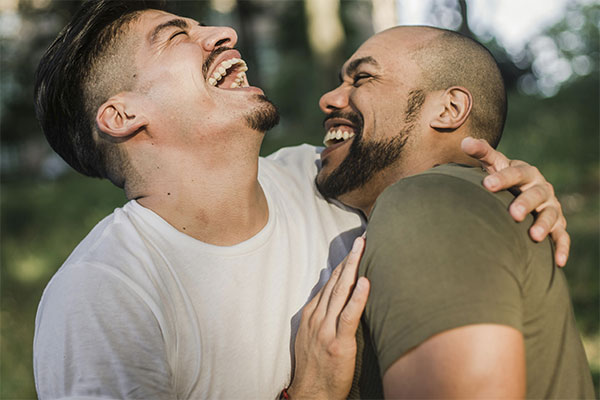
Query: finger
[(533, 198), (343, 288), (350, 316), (520, 174), (562, 242), (309, 308), (492, 160), (543, 223), (325, 292)]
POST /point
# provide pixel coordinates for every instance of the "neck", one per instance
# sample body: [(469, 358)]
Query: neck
[(215, 200), (414, 163)]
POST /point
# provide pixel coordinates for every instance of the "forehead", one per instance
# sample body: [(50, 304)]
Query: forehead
[(152, 22), (384, 51)]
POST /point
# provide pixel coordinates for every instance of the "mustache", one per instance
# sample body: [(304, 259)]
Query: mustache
[(211, 58), (354, 117)]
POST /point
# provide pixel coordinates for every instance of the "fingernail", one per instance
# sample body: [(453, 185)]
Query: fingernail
[(364, 235), (561, 259), (356, 245), (491, 182), (360, 284)]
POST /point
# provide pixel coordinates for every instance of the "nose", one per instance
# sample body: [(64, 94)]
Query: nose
[(334, 100), (218, 36)]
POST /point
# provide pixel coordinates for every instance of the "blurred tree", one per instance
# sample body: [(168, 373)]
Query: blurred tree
[(384, 14), (29, 30), (563, 53), (324, 28)]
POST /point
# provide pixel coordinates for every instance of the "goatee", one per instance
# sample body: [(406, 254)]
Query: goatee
[(265, 116)]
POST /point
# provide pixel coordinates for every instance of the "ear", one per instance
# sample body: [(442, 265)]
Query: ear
[(455, 108), (118, 118)]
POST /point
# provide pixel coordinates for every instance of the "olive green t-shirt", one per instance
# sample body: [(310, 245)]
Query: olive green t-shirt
[(443, 252)]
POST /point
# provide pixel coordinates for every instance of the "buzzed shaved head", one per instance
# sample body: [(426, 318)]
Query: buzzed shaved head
[(447, 58), (414, 92)]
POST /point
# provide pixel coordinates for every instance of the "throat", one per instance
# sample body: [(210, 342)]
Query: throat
[(219, 213)]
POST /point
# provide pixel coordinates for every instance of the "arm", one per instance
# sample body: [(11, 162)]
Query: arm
[(474, 361), (536, 194), (326, 343)]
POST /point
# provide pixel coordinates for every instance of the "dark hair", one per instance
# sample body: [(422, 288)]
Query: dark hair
[(62, 106), (452, 59)]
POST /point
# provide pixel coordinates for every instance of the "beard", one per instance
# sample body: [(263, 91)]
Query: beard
[(366, 159), (265, 116)]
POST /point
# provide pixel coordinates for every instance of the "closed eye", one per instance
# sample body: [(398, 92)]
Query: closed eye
[(359, 78), (178, 33)]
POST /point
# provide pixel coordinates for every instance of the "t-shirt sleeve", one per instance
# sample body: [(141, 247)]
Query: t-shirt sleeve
[(441, 253), (96, 337)]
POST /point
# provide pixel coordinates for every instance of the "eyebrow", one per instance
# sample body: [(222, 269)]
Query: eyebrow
[(177, 22), (355, 64)]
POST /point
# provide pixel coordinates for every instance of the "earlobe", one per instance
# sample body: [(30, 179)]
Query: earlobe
[(456, 103), (116, 119)]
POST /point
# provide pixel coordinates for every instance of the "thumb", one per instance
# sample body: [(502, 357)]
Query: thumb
[(481, 150)]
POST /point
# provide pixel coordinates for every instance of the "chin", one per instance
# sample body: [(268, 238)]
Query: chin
[(265, 116)]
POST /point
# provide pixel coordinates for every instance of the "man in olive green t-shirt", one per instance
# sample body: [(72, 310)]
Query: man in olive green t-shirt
[(463, 303)]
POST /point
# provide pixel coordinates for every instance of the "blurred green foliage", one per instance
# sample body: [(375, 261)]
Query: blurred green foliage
[(43, 218), (42, 222)]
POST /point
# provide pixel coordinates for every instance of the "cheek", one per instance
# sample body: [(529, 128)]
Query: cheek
[(384, 121)]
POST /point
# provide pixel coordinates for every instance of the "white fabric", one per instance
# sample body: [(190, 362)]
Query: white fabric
[(141, 310)]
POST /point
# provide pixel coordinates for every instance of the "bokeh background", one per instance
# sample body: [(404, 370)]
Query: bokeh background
[(548, 52)]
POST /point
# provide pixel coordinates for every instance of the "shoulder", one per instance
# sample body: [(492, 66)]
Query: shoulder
[(119, 241), (97, 330), (91, 290), (112, 264), (443, 214), (110, 232), (443, 198), (443, 186)]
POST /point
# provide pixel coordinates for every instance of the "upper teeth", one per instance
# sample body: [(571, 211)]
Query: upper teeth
[(337, 134), (221, 71)]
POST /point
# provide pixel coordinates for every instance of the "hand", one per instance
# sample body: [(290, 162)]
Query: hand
[(326, 342), (536, 194)]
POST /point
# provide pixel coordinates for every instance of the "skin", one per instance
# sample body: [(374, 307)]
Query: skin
[(175, 136), (468, 362), (360, 91), (182, 136), (471, 361)]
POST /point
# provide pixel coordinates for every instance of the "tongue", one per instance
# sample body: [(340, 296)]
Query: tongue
[(228, 79)]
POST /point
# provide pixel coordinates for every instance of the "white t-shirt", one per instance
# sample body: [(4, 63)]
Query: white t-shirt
[(141, 310)]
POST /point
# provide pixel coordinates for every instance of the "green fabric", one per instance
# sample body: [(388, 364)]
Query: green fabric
[(443, 252)]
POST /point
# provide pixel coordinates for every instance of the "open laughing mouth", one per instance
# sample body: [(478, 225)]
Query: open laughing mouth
[(338, 131), (229, 72)]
